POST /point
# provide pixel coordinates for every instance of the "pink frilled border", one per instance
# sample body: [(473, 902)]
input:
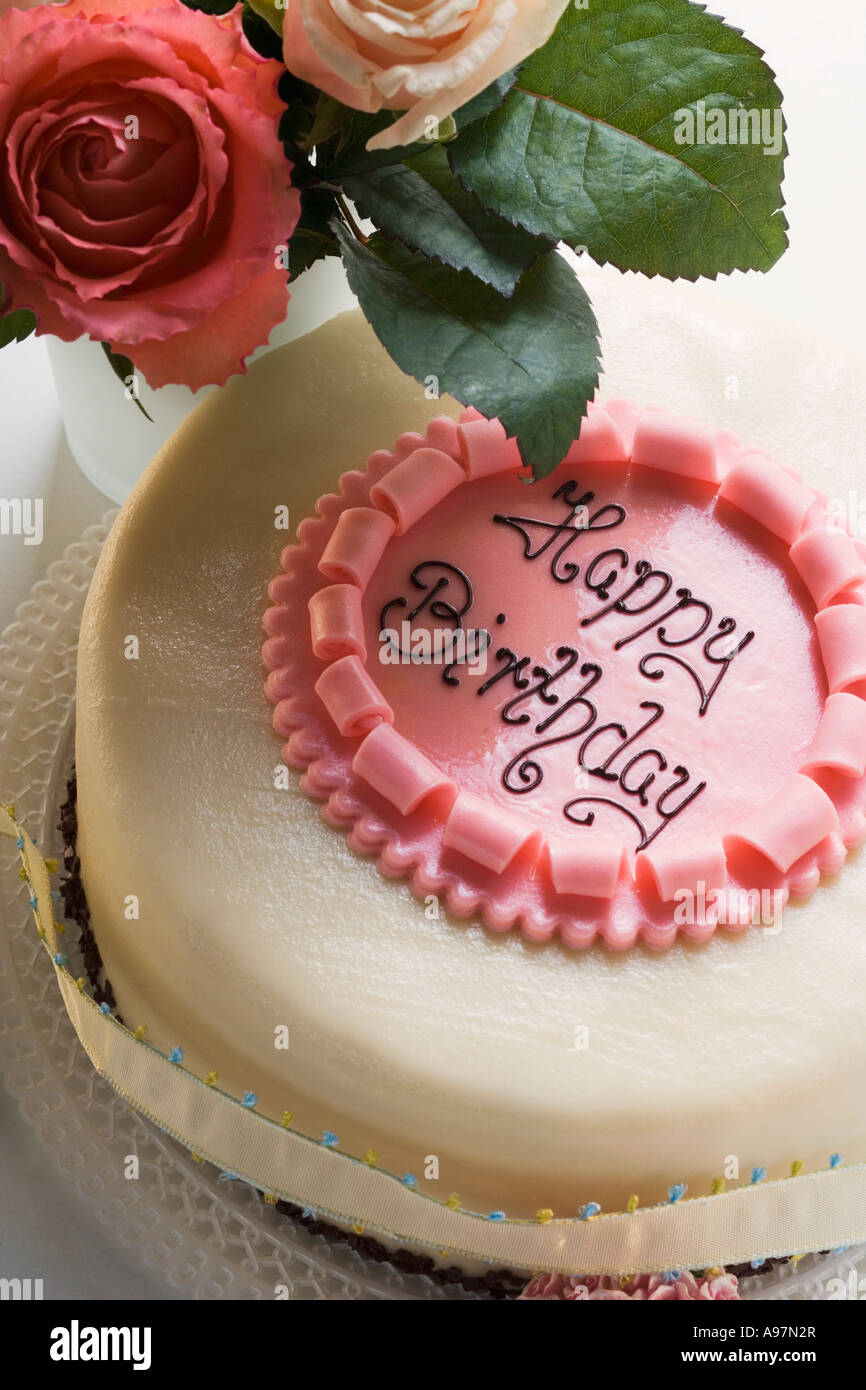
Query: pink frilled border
[(397, 805)]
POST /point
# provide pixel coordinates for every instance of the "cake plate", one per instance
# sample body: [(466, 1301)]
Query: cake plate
[(208, 1237)]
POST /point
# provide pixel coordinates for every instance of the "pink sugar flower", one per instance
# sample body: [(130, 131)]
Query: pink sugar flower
[(684, 1287)]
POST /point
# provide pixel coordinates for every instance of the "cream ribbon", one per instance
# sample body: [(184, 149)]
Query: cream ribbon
[(815, 1211)]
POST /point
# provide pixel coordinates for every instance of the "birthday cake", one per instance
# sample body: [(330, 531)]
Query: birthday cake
[(521, 859)]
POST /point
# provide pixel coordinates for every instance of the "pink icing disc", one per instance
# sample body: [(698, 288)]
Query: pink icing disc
[(336, 622), (592, 707)]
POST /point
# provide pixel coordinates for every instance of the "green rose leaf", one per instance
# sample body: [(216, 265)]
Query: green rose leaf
[(352, 158), (270, 12), (486, 101), (123, 370), (17, 326), (649, 133), (423, 205), (313, 237), (531, 360)]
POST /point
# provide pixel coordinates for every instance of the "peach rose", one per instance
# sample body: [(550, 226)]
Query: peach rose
[(423, 58), (143, 190)]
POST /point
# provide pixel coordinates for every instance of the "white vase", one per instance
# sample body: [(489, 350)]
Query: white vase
[(110, 439)]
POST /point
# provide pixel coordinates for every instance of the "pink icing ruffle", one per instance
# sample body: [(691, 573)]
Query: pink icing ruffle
[(840, 741), (415, 486), (396, 804), (484, 833), (599, 440), (583, 868), (444, 433), (399, 771), (842, 639), (828, 562), (795, 821), (675, 444), (485, 449), (336, 622), (768, 494), (357, 545), (686, 864), (352, 698)]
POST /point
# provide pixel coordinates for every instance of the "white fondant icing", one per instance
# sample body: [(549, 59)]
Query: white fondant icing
[(536, 1076)]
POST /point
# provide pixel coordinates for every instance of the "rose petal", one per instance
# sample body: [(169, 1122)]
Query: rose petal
[(215, 349), (316, 49)]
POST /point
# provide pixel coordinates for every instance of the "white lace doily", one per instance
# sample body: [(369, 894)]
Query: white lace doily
[(209, 1238)]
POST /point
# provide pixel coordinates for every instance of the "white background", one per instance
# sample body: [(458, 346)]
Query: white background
[(819, 55)]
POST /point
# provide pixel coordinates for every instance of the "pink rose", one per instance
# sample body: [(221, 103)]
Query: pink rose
[(640, 1288), (425, 60), (143, 190)]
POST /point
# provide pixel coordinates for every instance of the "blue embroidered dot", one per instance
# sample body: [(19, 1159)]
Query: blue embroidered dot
[(19, 843), (758, 1174), (840, 1249), (756, 1264), (835, 1160), (104, 1009), (671, 1276), (55, 896), (409, 1180), (308, 1212), (677, 1192), (496, 1216), (60, 959), (250, 1099), (329, 1139), (590, 1209), (228, 1176), (34, 903), (176, 1054)]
